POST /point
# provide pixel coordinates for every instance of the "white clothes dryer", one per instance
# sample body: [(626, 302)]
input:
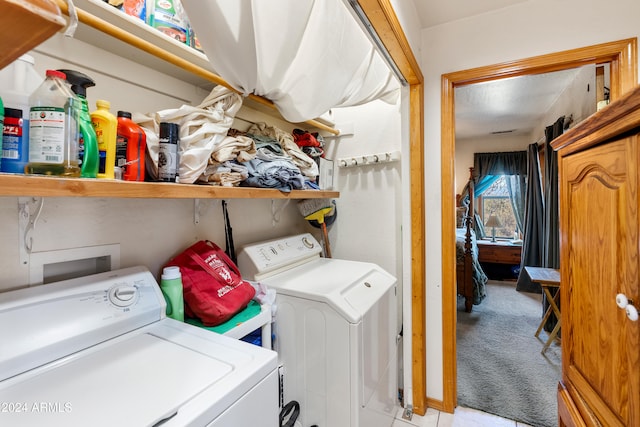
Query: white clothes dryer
[(99, 351), (335, 331)]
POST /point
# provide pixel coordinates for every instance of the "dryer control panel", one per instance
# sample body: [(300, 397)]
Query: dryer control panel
[(44, 322), (260, 260)]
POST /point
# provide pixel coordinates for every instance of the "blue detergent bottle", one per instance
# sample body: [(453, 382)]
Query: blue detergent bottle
[(18, 81)]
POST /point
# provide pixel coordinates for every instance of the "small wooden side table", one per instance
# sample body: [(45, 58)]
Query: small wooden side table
[(548, 278), (499, 252)]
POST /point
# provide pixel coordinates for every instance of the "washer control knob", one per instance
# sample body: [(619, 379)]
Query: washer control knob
[(123, 295), (307, 242)]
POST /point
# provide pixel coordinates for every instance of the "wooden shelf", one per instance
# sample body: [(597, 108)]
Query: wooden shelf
[(132, 38), (110, 29), (25, 24), (50, 186)]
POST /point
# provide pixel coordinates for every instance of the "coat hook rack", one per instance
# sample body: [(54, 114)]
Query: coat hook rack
[(369, 159)]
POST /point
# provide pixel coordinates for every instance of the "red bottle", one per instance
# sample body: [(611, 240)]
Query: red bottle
[(131, 145)]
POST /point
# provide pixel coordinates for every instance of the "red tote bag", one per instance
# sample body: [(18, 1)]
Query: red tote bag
[(213, 288)]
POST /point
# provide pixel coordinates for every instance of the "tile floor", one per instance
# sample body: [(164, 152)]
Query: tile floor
[(463, 417)]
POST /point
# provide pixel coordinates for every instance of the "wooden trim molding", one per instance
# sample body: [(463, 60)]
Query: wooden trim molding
[(435, 404), (418, 251), (621, 55), (385, 23), (449, 289), (568, 414)]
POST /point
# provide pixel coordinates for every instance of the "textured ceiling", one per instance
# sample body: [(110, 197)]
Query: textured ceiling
[(514, 105)]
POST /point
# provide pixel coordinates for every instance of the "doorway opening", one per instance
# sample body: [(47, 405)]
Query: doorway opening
[(622, 57)]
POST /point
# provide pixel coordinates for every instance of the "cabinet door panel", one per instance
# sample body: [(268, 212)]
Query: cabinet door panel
[(600, 231)]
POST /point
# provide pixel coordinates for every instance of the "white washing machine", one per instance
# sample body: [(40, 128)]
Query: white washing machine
[(99, 351), (335, 331)]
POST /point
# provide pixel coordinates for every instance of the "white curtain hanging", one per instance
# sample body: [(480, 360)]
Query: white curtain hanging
[(307, 56)]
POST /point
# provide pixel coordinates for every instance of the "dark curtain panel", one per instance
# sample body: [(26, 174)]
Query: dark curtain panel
[(487, 167), (508, 163), (551, 254), (517, 184), (534, 213), (551, 248)]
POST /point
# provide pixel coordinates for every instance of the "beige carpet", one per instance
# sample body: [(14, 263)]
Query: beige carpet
[(500, 368)]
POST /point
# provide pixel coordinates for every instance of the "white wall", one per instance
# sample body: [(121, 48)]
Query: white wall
[(150, 231), (369, 204), (410, 21), (576, 102), (526, 29)]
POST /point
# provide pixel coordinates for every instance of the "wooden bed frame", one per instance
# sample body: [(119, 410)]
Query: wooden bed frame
[(464, 270)]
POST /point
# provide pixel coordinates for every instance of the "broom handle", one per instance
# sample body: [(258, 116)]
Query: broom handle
[(327, 247)]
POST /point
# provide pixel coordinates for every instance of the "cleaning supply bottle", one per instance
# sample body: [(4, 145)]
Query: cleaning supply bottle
[(12, 134), (87, 140), (106, 126), (18, 81), (131, 145), (1, 123), (53, 128), (171, 286)]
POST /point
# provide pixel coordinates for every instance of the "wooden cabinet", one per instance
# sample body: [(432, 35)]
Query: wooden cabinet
[(499, 252), (599, 258)]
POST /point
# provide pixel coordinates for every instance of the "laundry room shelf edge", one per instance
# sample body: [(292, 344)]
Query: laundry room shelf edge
[(49, 186)]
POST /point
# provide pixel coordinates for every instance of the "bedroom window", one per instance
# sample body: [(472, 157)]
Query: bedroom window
[(495, 200)]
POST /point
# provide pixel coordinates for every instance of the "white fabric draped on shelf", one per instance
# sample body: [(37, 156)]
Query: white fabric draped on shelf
[(307, 56)]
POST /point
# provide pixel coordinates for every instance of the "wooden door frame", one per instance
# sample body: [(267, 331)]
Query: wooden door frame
[(622, 55), (386, 25)]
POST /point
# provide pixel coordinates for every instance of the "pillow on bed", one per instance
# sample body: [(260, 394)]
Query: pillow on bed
[(460, 214)]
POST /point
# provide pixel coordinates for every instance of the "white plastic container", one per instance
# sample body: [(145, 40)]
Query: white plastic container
[(53, 130), (18, 81)]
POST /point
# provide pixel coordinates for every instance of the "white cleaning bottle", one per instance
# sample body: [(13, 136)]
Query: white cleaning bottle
[(53, 128)]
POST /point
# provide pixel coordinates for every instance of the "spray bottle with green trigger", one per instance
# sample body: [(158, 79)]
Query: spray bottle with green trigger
[(89, 142)]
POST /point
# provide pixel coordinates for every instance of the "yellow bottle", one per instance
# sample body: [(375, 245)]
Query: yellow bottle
[(106, 126)]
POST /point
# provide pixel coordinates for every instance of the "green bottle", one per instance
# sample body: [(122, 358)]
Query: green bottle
[(171, 287), (88, 144)]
